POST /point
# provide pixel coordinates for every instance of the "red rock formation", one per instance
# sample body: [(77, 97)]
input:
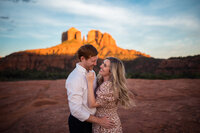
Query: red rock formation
[(71, 34), (29, 61), (104, 43), (94, 35), (64, 36), (65, 48), (177, 67), (78, 36), (84, 41), (106, 46), (42, 59), (107, 40), (101, 39)]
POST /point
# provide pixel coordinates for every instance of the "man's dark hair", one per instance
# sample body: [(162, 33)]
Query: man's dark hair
[(87, 51)]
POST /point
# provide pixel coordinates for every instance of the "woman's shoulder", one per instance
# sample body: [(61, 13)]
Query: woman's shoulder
[(105, 86), (107, 83)]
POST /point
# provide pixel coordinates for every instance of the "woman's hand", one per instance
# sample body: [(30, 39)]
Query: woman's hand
[(91, 98), (90, 77)]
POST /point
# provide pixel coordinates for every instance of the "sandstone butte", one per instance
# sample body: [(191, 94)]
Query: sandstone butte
[(105, 44)]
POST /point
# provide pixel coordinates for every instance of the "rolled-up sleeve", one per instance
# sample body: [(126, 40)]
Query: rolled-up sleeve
[(75, 98)]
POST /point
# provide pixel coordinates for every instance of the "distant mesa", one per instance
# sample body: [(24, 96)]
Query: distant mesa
[(72, 40)]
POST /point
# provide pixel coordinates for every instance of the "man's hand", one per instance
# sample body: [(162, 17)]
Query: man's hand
[(106, 123), (102, 121)]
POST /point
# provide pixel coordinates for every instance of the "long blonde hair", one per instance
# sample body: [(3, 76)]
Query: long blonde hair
[(118, 79)]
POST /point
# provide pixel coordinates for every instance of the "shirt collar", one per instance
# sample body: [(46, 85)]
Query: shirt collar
[(81, 69)]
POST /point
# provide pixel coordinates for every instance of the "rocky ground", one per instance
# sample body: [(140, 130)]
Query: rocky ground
[(40, 106)]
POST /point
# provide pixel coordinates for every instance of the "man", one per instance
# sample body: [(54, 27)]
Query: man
[(81, 116)]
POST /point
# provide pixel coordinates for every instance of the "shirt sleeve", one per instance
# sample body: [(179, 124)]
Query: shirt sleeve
[(75, 98), (105, 93)]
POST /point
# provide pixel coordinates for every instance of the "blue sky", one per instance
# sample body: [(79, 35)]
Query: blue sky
[(160, 28)]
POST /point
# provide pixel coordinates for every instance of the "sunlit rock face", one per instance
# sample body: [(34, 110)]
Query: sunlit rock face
[(61, 55), (104, 42), (106, 46), (71, 34)]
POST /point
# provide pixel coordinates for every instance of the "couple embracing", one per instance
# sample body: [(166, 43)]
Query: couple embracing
[(93, 100)]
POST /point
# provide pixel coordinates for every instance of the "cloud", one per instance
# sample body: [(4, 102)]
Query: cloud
[(16, 1), (4, 17), (33, 35), (109, 14), (178, 22), (45, 20), (4, 22), (3, 29), (119, 15), (7, 35), (37, 36), (82, 8)]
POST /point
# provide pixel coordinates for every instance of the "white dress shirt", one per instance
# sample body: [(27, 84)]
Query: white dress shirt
[(77, 91)]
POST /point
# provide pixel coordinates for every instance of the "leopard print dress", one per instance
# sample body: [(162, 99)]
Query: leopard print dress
[(108, 107)]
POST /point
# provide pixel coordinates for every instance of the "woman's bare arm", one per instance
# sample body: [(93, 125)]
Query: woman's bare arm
[(91, 97)]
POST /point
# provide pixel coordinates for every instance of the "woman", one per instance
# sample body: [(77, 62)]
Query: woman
[(111, 92)]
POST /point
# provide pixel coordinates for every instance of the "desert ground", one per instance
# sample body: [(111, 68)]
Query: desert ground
[(40, 106)]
